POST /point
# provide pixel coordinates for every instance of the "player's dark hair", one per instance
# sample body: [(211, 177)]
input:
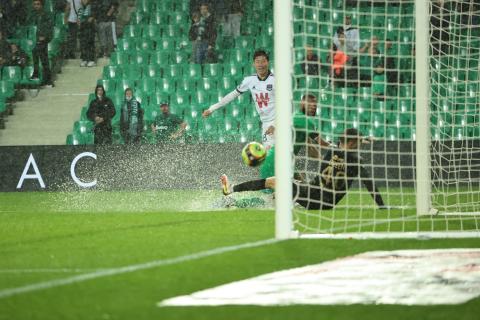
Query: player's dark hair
[(349, 135), (260, 53), (308, 96)]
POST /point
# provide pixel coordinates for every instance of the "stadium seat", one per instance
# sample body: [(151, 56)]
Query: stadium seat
[(212, 70), (110, 85), (132, 31), (151, 31), (181, 99), (166, 86), (140, 57), (180, 57), (126, 44), (123, 84), (27, 73), (207, 84), (160, 57), (186, 85), (7, 88), (173, 71), (11, 73), (147, 85), (159, 97), (145, 44), (132, 71), (152, 71), (119, 58), (166, 44), (192, 71), (112, 72), (200, 100), (226, 84)]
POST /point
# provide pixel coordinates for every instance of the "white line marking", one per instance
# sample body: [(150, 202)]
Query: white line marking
[(132, 268), (50, 270)]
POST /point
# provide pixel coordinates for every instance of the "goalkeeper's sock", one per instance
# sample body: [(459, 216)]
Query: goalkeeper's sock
[(253, 185)]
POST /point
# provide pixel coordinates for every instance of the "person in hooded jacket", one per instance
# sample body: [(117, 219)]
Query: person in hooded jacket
[(101, 111)]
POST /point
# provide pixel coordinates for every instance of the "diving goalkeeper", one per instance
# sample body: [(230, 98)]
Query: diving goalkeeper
[(339, 168)]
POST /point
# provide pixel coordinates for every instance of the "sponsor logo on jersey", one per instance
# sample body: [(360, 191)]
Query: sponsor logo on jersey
[(262, 99)]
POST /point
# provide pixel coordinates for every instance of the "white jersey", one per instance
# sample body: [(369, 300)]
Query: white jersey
[(263, 93)]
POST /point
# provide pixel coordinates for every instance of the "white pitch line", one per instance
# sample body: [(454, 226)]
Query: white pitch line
[(50, 270), (132, 268)]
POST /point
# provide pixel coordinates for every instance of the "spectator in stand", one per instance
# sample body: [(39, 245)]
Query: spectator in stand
[(352, 37), (339, 59), (18, 57), (101, 111), (369, 60), (43, 21), (5, 52), (203, 35), (232, 17), (103, 11), (167, 126), (311, 65), (131, 119), (72, 21), (87, 34)]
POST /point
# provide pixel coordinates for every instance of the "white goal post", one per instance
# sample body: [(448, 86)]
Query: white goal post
[(425, 153)]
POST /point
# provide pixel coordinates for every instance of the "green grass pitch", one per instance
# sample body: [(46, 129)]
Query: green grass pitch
[(51, 236)]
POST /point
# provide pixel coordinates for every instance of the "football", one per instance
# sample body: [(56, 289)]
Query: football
[(253, 154)]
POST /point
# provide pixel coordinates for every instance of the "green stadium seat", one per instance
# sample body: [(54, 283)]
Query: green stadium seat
[(123, 84), (207, 84), (186, 85), (151, 31), (132, 71), (110, 85), (181, 99), (7, 89), (192, 71), (173, 71), (232, 70), (112, 72), (126, 44), (179, 19), (145, 44), (171, 31), (140, 57), (119, 58), (166, 86), (138, 17), (212, 70), (239, 55), (200, 99), (83, 113), (132, 31), (152, 71), (180, 57), (226, 84), (147, 85), (159, 97), (235, 111), (166, 44), (11, 73), (160, 57), (73, 139), (83, 127)]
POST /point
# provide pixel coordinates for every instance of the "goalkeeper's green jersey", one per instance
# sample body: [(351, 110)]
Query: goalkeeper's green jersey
[(304, 126)]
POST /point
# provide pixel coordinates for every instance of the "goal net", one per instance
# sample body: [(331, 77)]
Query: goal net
[(360, 63)]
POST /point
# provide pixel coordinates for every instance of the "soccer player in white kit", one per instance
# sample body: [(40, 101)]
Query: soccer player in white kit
[(262, 88)]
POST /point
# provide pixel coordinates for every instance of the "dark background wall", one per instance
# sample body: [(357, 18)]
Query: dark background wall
[(199, 166)]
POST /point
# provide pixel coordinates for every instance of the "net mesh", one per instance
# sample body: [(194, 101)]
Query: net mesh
[(357, 59)]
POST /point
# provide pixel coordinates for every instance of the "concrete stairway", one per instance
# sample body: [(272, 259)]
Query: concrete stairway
[(48, 118)]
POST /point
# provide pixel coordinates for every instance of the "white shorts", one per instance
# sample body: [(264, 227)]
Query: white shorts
[(268, 140)]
